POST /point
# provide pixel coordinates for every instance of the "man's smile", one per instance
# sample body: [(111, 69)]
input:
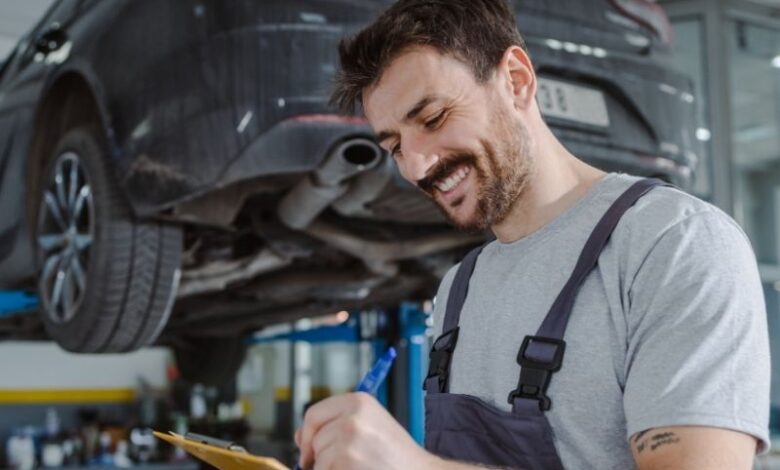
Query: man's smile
[(452, 189), (449, 182)]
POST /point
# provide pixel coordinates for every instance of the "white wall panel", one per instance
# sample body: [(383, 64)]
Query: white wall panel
[(43, 365)]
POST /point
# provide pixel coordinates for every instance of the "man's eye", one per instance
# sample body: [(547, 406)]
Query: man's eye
[(396, 151), (435, 121)]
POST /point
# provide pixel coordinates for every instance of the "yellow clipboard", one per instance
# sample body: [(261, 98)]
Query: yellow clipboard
[(223, 459)]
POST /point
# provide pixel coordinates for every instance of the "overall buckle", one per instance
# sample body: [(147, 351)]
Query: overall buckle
[(440, 357), (536, 370)]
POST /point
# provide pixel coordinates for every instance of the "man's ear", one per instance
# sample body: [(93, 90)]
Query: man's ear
[(517, 73)]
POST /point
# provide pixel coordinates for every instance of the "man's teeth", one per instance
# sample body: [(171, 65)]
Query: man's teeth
[(452, 180)]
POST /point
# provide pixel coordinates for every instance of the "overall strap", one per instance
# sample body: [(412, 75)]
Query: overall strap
[(542, 355), (437, 379)]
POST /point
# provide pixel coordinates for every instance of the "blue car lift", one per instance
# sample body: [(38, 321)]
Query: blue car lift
[(16, 302), (404, 328), (413, 326)]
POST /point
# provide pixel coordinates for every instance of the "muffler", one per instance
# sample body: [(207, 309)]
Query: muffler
[(316, 192)]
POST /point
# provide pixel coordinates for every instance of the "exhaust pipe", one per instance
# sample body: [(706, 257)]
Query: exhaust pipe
[(315, 193)]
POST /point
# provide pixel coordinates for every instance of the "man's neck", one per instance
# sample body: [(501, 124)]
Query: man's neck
[(559, 180)]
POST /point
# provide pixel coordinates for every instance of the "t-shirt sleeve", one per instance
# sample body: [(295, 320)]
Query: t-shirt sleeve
[(698, 350)]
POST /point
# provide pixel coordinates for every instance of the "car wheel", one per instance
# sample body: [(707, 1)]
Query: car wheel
[(106, 279), (210, 361)]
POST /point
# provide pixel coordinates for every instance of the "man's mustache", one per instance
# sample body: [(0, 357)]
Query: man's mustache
[(443, 169)]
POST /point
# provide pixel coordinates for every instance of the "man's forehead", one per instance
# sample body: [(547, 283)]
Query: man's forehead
[(414, 75)]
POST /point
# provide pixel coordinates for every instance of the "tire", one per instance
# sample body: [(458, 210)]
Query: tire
[(118, 293), (210, 361)]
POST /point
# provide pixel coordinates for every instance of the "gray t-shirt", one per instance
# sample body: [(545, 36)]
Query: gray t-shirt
[(668, 329)]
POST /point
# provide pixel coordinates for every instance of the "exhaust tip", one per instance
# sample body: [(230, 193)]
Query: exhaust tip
[(360, 152)]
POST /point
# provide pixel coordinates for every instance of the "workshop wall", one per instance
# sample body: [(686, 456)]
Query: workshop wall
[(36, 377), (43, 365)]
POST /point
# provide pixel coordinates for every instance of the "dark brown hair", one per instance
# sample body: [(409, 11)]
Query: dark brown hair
[(477, 32)]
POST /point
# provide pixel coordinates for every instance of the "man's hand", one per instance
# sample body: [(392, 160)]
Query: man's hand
[(353, 431), (691, 447)]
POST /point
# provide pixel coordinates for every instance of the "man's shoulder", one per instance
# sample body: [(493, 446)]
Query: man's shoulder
[(662, 209), (668, 229)]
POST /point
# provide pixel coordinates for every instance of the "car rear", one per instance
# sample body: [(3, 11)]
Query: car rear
[(607, 87)]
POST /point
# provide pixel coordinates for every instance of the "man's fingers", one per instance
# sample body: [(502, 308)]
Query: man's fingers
[(326, 459), (322, 443), (316, 417), (328, 435)]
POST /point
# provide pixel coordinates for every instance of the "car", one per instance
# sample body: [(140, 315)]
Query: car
[(171, 172), (608, 87)]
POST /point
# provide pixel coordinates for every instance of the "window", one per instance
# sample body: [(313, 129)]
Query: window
[(689, 58), (755, 104)]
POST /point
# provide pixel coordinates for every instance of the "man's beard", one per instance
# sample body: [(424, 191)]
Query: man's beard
[(501, 174)]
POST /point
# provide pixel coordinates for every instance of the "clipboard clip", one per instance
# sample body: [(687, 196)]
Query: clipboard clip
[(213, 441)]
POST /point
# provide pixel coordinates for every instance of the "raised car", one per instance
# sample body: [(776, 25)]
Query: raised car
[(171, 172)]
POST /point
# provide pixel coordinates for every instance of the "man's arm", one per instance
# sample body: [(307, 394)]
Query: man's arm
[(354, 432), (693, 448), (697, 361), (678, 448)]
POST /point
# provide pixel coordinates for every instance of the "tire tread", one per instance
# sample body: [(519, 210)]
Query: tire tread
[(132, 267)]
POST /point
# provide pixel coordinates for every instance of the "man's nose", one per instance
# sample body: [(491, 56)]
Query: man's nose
[(419, 159), (418, 165)]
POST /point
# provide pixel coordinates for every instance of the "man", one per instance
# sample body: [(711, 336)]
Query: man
[(664, 363)]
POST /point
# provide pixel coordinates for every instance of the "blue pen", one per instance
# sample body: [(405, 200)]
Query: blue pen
[(378, 372), (374, 377)]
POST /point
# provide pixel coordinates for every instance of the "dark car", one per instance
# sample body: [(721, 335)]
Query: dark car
[(171, 171)]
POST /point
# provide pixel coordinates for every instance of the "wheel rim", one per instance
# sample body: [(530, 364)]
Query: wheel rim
[(65, 234)]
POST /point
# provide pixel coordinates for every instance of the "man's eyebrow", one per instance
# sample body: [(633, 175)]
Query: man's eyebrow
[(424, 101), (416, 109), (384, 135)]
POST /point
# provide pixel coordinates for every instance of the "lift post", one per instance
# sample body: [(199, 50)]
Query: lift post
[(412, 344)]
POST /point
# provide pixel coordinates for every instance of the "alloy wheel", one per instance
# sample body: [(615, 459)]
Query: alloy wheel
[(65, 234)]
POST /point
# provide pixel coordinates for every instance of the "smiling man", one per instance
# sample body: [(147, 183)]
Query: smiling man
[(637, 309), (486, 149)]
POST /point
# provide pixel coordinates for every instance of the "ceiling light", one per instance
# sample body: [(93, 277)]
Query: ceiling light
[(776, 62), (554, 44), (703, 134)]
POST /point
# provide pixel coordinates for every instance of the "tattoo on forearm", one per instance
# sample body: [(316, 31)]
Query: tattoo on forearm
[(639, 435), (655, 441), (664, 439)]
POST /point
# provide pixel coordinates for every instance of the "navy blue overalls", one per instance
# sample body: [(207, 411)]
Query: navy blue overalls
[(463, 427)]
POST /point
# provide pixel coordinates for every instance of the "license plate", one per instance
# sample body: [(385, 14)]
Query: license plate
[(572, 102)]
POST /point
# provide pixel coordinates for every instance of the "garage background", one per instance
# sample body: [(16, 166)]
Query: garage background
[(730, 48)]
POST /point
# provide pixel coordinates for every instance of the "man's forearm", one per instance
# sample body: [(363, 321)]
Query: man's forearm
[(693, 447)]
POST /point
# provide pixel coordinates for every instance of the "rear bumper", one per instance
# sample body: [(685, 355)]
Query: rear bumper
[(651, 106), (228, 109), (293, 146)]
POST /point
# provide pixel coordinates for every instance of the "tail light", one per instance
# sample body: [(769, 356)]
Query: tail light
[(330, 119), (649, 14)]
